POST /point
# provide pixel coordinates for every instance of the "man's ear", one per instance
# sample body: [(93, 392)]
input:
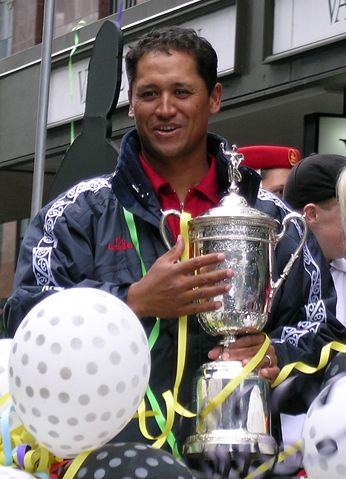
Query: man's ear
[(215, 99), (310, 212), (130, 112)]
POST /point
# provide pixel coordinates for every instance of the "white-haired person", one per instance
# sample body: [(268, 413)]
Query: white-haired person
[(338, 365), (341, 196)]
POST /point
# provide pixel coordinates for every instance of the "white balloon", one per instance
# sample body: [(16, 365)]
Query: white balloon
[(79, 367), (5, 347), (6, 404), (324, 433), (12, 473)]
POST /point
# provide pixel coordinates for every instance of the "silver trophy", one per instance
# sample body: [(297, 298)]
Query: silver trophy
[(247, 237)]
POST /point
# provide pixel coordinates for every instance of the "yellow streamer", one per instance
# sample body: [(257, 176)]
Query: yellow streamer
[(168, 397), (266, 466), (38, 460), (306, 369), (141, 407), (161, 439), (233, 383), (182, 325), (4, 399), (75, 465), (142, 414)]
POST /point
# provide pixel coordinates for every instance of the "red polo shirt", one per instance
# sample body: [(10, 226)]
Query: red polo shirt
[(198, 200)]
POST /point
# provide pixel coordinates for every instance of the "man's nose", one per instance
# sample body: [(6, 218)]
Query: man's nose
[(166, 105)]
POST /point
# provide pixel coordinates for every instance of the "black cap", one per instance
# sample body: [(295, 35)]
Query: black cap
[(313, 180)]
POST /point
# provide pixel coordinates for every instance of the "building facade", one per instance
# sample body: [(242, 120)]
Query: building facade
[(282, 64)]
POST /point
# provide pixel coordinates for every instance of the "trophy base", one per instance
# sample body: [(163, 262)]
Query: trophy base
[(236, 433), (231, 441), (229, 453)]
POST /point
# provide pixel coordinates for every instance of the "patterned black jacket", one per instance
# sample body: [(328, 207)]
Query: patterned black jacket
[(82, 239)]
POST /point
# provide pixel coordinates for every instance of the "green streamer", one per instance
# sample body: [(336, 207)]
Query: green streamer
[(154, 334), (76, 40)]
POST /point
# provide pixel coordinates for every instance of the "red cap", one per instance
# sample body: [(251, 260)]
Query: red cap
[(264, 157)]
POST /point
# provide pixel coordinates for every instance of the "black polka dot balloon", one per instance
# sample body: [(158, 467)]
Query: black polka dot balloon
[(336, 367), (78, 370), (131, 461)]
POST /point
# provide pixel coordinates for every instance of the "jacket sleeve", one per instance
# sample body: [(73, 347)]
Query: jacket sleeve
[(303, 318), (57, 252)]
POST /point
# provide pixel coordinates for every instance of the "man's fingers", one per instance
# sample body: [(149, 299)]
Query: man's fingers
[(201, 263), (192, 309), (269, 373)]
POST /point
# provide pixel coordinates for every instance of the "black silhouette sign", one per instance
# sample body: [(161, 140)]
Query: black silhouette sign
[(92, 153)]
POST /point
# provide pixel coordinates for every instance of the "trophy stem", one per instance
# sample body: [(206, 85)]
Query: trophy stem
[(225, 342), (228, 340)]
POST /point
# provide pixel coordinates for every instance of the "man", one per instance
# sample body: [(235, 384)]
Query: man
[(273, 163), (104, 233), (311, 189)]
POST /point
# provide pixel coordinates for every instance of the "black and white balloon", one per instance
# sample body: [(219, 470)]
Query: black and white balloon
[(131, 460), (324, 433)]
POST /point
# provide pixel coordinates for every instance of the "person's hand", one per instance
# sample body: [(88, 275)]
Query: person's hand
[(171, 288), (244, 348)]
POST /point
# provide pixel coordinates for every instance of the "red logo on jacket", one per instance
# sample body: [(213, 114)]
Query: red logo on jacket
[(119, 244)]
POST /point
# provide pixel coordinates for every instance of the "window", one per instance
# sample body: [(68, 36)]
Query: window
[(21, 21), (6, 10), (68, 14)]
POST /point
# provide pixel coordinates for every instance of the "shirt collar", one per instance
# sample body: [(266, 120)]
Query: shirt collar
[(155, 179), (208, 186)]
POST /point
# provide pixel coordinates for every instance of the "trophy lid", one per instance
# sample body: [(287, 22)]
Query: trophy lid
[(233, 206)]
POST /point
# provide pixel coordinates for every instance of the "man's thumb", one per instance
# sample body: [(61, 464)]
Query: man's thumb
[(178, 248)]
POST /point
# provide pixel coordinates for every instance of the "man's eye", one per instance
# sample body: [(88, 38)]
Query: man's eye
[(182, 93), (148, 94)]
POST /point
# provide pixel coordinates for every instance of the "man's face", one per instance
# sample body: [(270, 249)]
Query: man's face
[(171, 106), (328, 230), (274, 180)]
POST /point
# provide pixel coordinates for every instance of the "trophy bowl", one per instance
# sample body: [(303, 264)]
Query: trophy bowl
[(247, 238)]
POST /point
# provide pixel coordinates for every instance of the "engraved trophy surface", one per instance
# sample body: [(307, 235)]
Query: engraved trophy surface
[(247, 238)]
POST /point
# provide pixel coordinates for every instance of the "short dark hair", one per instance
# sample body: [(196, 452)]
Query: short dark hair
[(313, 180), (175, 38)]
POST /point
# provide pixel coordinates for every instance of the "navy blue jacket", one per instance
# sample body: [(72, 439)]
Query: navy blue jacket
[(82, 239)]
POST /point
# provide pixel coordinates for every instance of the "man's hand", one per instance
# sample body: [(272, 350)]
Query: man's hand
[(171, 288), (244, 348)]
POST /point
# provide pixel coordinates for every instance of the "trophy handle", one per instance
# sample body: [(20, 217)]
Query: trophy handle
[(289, 217), (163, 224)]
